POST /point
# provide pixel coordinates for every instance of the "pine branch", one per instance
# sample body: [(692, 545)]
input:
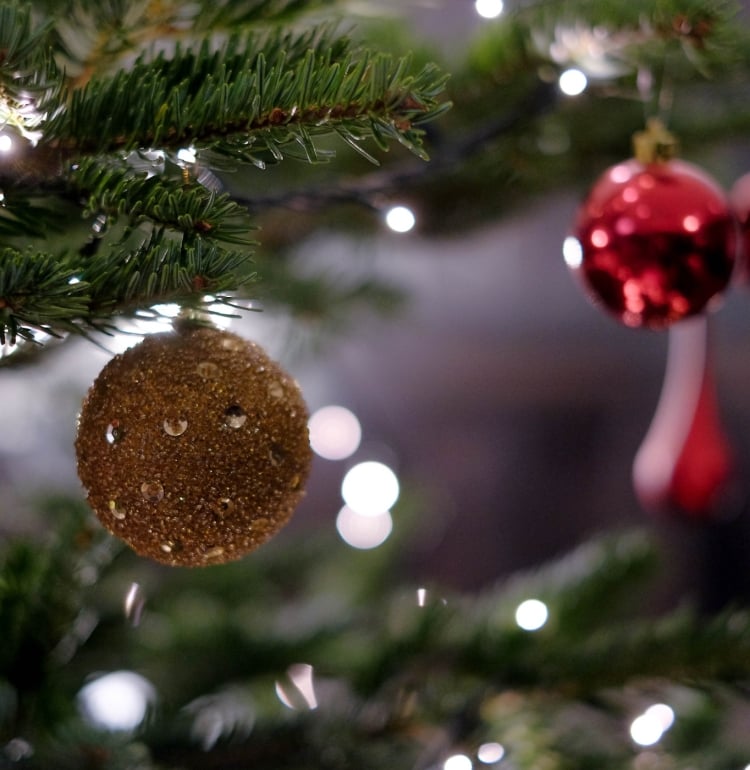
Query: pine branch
[(98, 39), (115, 190), (30, 81), (132, 275), (37, 291), (41, 603), (71, 293), (250, 99)]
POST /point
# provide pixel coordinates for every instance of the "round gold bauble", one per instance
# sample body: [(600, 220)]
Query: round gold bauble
[(193, 446)]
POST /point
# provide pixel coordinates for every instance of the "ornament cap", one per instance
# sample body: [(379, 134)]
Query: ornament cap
[(655, 143)]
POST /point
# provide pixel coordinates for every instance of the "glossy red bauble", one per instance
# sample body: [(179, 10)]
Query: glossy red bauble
[(653, 243)]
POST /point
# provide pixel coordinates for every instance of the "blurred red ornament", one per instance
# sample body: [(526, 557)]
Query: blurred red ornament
[(654, 242), (685, 464)]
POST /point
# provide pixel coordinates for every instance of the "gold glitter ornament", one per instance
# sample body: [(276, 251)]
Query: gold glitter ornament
[(193, 446)]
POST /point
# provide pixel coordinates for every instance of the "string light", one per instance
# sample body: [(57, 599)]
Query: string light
[(363, 532), (648, 728), (117, 701), (488, 9), (400, 219), (531, 614), (458, 762), (187, 154), (573, 82), (335, 432), (369, 488), (572, 252), (489, 753)]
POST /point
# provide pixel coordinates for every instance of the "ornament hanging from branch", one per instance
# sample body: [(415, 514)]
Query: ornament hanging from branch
[(193, 446), (685, 465), (655, 241)]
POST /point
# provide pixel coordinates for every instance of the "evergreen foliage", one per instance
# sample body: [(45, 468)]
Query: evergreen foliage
[(127, 111), (131, 139), (397, 679)]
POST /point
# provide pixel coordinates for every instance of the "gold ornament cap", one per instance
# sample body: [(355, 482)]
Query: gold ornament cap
[(655, 143)]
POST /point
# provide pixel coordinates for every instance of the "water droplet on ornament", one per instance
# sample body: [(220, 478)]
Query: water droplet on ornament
[(232, 343), (208, 370), (152, 491), (235, 416), (174, 427), (117, 512), (276, 454), (275, 390), (114, 432), (223, 506), (214, 553), (167, 547)]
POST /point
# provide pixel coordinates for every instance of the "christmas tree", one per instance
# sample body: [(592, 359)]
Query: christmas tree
[(167, 170)]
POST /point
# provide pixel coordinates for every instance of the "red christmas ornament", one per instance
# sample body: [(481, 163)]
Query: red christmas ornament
[(685, 464), (655, 240)]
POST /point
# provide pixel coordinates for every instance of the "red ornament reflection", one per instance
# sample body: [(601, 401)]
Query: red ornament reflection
[(685, 464), (656, 242)]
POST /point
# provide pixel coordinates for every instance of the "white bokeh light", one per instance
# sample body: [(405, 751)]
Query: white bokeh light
[(6, 143), (400, 219), (187, 154), (662, 714), (363, 532), (489, 753), (488, 9), (298, 693), (335, 432), (458, 762), (573, 82), (648, 728), (370, 488), (117, 701), (572, 252), (645, 731), (531, 614)]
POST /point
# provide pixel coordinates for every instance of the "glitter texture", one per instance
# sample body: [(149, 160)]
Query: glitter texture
[(226, 490)]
